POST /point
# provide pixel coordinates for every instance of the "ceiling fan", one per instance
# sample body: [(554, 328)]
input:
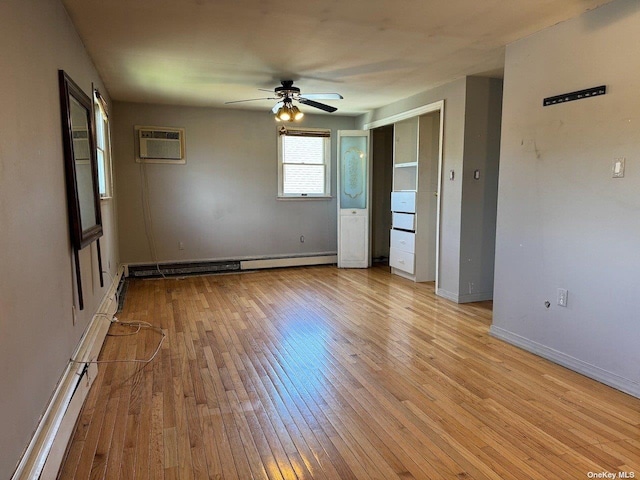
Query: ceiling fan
[(286, 94)]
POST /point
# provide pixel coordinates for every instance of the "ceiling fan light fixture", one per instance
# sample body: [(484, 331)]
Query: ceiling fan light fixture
[(286, 94), (297, 114), (288, 113), (283, 114)]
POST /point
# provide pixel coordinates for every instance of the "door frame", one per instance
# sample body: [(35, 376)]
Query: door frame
[(416, 112)]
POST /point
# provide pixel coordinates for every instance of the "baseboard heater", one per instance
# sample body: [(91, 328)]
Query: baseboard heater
[(147, 270), (177, 269), (121, 293)]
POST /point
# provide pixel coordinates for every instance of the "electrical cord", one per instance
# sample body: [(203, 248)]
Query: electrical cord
[(148, 220), (125, 334), (139, 325), (115, 299), (110, 276)]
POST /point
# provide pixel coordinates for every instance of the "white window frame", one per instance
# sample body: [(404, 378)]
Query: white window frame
[(313, 132), (105, 184)]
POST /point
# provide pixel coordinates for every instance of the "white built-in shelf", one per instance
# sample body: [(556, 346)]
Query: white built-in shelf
[(405, 177), (412, 248), (406, 165)]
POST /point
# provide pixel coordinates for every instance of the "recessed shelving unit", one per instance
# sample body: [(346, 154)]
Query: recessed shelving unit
[(405, 176), (412, 244)]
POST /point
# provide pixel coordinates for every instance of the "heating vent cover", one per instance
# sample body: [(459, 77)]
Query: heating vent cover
[(160, 145), (182, 269)]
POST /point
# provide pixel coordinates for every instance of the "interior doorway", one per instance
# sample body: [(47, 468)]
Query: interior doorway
[(381, 185), (429, 151)]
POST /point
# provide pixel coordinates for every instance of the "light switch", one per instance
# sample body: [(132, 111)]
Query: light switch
[(618, 168), (562, 297)]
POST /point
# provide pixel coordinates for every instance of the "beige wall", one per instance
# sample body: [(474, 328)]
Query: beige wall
[(37, 330), (563, 221), (222, 203)]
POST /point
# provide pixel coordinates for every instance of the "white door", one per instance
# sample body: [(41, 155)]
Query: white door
[(353, 199)]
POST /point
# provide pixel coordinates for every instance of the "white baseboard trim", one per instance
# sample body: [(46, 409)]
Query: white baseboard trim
[(288, 262), (592, 371), (240, 258), (44, 454), (448, 295), (468, 298), (475, 297)]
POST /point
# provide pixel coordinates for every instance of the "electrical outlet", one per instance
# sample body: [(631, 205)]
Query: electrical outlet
[(180, 246), (562, 297)]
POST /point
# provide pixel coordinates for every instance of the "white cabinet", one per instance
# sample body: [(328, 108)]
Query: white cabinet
[(401, 253), (403, 240), (400, 260), (403, 221), (403, 197), (412, 249), (403, 202)]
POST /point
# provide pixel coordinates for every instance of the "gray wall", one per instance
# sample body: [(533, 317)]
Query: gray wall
[(37, 330), (479, 197), (563, 221), (222, 204)]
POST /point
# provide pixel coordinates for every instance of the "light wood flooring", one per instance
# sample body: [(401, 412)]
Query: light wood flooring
[(336, 374)]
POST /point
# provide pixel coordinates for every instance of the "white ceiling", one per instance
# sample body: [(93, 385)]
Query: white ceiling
[(373, 52)]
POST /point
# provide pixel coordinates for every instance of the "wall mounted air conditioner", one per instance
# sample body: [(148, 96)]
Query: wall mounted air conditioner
[(160, 145)]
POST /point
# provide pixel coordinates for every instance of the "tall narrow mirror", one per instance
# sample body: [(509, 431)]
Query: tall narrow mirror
[(80, 161), (81, 169)]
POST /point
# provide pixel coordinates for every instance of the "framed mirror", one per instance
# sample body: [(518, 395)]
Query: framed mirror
[(81, 166), (81, 171)]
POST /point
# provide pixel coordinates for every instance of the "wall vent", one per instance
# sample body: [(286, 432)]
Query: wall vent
[(160, 145)]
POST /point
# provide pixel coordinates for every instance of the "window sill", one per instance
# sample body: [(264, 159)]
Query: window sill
[(287, 198)]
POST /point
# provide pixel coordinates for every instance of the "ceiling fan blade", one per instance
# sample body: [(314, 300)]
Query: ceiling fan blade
[(250, 100), (277, 106), (323, 96), (321, 106)]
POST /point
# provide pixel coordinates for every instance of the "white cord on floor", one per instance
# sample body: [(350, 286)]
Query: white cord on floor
[(146, 217), (139, 325)]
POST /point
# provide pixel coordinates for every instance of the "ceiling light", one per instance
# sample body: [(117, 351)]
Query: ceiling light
[(297, 114), (288, 112), (283, 114)]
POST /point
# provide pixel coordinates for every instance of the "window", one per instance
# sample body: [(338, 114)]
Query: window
[(103, 146), (304, 160)]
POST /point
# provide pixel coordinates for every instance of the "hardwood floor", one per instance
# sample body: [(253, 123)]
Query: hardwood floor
[(336, 374)]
